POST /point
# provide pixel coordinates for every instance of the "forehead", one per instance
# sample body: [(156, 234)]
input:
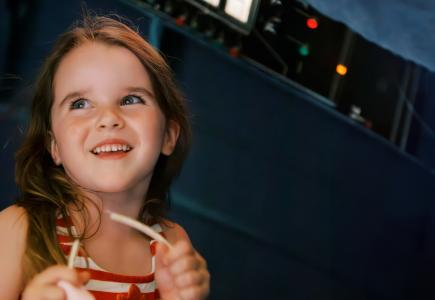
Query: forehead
[(98, 67)]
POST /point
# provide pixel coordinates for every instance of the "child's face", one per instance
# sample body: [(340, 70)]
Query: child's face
[(103, 102)]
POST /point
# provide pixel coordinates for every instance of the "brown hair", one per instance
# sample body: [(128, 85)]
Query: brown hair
[(45, 188)]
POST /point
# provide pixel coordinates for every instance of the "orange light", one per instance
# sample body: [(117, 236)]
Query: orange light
[(341, 69), (312, 23)]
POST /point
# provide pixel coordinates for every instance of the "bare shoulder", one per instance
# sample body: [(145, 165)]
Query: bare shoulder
[(13, 218), (174, 232), (13, 229)]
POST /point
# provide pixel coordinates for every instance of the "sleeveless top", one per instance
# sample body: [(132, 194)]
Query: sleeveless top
[(105, 285)]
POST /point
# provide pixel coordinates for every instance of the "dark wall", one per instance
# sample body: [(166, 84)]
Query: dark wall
[(285, 197), (290, 199), (422, 135)]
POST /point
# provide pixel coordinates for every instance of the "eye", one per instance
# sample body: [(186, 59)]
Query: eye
[(131, 99), (79, 104)]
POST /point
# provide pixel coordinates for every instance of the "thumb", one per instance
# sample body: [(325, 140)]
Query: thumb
[(73, 292), (84, 276), (161, 255)]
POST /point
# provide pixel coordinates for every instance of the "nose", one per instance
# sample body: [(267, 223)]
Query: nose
[(110, 118)]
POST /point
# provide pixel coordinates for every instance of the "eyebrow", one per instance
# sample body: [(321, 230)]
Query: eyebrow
[(141, 90)]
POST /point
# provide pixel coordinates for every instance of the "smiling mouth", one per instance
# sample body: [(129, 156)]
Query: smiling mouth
[(111, 148)]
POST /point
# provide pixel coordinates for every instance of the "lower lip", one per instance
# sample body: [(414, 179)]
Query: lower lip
[(112, 155)]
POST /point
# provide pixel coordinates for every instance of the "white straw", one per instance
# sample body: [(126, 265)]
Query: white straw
[(73, 253), (72, 292), (139, 226)]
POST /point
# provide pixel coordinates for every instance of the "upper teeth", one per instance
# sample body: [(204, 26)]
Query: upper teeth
[(111, 148)]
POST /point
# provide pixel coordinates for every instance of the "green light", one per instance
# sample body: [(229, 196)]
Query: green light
[(304, 50)]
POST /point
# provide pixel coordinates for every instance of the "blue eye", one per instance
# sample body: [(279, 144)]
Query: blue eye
[(79, 104), (131, 99)]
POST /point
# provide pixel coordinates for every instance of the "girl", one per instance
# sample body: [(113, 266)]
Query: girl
[(108, 131)]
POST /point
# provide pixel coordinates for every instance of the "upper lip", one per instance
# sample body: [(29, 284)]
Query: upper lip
[(112, 142)]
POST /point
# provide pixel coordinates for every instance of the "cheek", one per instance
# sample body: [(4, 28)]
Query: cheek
[(151, 127), (70, 136)]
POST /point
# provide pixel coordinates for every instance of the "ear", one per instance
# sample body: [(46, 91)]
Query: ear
[(54, 150), (171, 137)]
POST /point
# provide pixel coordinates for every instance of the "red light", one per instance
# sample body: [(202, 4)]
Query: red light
[(234, 51), (312, 23), (181, 20)]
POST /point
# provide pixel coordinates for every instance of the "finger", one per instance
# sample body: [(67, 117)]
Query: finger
[(184, 264), (189, 278), (47, 292), (192, 293), (161, 254), (204, 290), (204, 287), (203, 262), (55, 273), (180, 249), (53, 293)]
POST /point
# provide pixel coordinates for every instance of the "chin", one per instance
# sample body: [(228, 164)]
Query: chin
[(109, 186)]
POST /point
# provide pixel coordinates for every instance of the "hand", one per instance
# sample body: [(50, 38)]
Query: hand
[(44, 285), (181, 273)]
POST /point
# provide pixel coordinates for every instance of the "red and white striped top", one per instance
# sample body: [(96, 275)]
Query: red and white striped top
[(103, 284)]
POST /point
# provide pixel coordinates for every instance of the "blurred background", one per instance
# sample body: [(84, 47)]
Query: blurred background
[(311, 174)]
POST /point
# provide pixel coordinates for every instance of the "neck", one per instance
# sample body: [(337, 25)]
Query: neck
[(128, 203)]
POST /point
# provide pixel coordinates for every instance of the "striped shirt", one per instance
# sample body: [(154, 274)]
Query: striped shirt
[(105, 285)]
